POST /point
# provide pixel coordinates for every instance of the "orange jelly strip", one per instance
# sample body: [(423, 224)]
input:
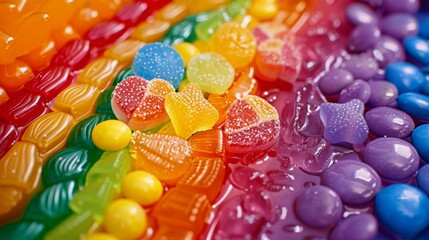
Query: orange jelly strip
[(105, 8), (85, 19), (183, 209), (49, 132), (173, 233), (40, 57), (205, 175), (202, 6), (12, 203), (78, 100), (172, 13), (124, 51), (62, 36), (221, 103), (100, 72), (151, 31), (14, 75), (208, 143)]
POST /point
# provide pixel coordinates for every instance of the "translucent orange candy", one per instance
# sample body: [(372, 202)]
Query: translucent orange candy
[(208, 143), (244, 83), (151, 31), (14, 75), (40, 58), (221, 103), (167, 157), (3, 96)]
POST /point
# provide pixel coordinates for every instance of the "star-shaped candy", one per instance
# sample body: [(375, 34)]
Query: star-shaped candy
[(344, 122)]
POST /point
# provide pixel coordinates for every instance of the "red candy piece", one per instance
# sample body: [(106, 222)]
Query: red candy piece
[(50, 82), (8, 136), (75, 54), (23, 109), (133, 13), (106, 33)]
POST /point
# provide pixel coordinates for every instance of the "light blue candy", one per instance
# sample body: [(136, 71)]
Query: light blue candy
[(420, 140), (415, 104), (158, 60), (418, 49), (403, 209), (405, 76), (424, 27)]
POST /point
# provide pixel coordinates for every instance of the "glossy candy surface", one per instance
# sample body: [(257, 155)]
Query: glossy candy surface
[(111, 135)]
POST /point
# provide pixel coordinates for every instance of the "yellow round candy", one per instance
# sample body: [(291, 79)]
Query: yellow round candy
[(125, 219), (186, 51), (263, 11), (142, 187), (101, 236), (111, 135)]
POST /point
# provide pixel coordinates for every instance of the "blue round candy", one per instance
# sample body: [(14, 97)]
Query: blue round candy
[(405, 76), (424, 27), (418, 49), (158, 60), (415, 104), (419, 139), (403, 209), (423, 178)]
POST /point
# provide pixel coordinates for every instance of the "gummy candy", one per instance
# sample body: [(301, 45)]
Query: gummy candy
[(211, 71), (172, 12), (142, 187), (14, 75), (268, 30), (208, 143), (244, 83), (111, 135), (40, 58), (75, 54), (61, 36), (23, 109), (99, 73), (72, 227), (184, 31), (189, 111), (186, 51), (104, 102), (151, 31), (221, 103), (124, 52)]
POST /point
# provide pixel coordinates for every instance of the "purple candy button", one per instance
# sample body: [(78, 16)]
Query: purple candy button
[(388, 50), (362, 226), (383, 93), (334, 81), (363, 37), (399, 25), (362, 66), (355, 182), (389, 122), (358, 89), (358, 13)]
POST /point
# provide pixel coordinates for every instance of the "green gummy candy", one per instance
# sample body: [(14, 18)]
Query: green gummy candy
[(80, 135), (23, 229), (72, 228), (104, 104)]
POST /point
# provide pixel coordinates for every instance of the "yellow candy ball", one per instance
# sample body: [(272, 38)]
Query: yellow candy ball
[(125, 219), (186, 51), (142, 187), (111, 135), (263, 11), (101, 236)]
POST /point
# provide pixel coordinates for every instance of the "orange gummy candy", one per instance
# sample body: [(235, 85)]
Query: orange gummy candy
[(84, 19), (13, 76), (40, 58), (221, 103), (124, 51), (166, 232), (151, 31), (244, 83), (62, 36), (208, 143), (172, 12), (100, 72), (3, 96)]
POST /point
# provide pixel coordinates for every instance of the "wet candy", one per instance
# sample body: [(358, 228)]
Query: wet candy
[(72, 227), (402, 209), (362, 66), (151, 31), (184, 31), (267, 30), (8, 136), (3, 96), (359, 226), (23, 229), (388, 50), (101, 236), (418, 49), (100, 72), (383, 93), (74, 54), (235, 43), (423, 178), (389, 122), (189, 111), (124, 51), (158, 60), (415, 104), (127, 72), (358, 13), (186, 51), (172, 12), (133, 13), (407, 6), (111, 135), (399, 25), (14, 75), (208, 143), (394, 159), (358, 89), (251, 124), (344, 122), (406, 77), (136, 220), (419, 141), (105, 32), (166, 157), (211, 71), (104, 102), (363, 37), (142, 187), (80, 136), (334, 81), (23, 109)]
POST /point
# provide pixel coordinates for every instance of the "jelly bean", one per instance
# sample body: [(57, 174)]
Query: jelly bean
[(64, 35), (12, 203), (166, 157), (85, 19), (363, 37), (151, 31), (111, 135), (208, 143), (423, 30), (361, 66), (399, 25), (388, 50), (128, 72), (23, 230), (158, 60), (71, 228), (49, 132), (423, 178), (78, 100), (186, 51), (389, 122), (235, 43), (418, 49), (415, 104), (75, 54), (344, 123), (318, 207), (23, 109), (104, 105), (355, 182), (172, 12), (358, 89), (40, 57), (142, 187), (205, 175), (121, 209), (405, 6), (406, 77), (334, 81), (189, 111), (394, 159), (402, 209), (101, 236), (52, 204), (105, 33), (192, 208), (81, 134), (99, 73), (418, 139), (264, 10), (14, 75), (124, 52), (211, 71), (8, 136), (358, 13), (246, 117), (383, 93), (133, 13), (362, 226)]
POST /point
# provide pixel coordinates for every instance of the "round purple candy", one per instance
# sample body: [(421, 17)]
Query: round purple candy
[(388, 50), (399, 25), (358, 13), (318, 207), (361, 66), (383, 93), (356, 182), (358, 89), (389, 122), (363, 37), (394, 159), (363, 226), (401, 6), (334, 81)]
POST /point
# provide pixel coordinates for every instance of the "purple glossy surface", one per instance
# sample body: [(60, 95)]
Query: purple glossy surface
[(362, 227), (358, 13), (334, 81), (361, 66), (358, 89), (388, 50), (399, 25), (389, 122), (383, 93), (363, 37)]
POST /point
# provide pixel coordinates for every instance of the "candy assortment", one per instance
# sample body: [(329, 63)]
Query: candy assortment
[(214, 119)]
